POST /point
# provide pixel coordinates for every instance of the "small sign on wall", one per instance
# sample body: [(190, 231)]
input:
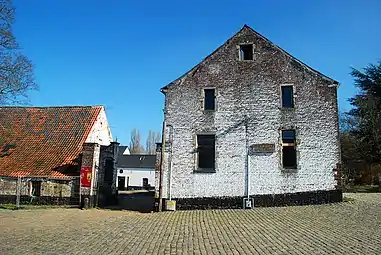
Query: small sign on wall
[(86, 173), (263, 148)]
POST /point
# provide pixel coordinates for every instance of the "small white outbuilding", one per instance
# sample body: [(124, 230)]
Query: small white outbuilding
[(135, 171)]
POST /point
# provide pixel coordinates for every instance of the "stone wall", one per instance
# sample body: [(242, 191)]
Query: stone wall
[(251, 90), (90, 159), (107, 191), (157, 168), (52, 191)]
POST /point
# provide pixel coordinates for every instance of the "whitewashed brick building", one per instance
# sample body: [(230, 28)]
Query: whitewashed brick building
[(250, 121)]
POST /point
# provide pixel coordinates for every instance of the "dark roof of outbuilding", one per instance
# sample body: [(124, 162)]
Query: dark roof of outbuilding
[(121, 149), (135, 161)]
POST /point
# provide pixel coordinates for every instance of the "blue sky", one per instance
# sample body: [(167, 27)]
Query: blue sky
[(120, 53)]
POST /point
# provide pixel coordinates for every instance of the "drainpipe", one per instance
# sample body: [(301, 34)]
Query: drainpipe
[(170, 164), (247, 160)]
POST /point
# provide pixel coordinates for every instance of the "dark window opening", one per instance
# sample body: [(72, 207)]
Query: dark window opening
[(145, 182), (36, 188), (206, 151), (121, 183), (289, 157), (209, 99), (287, 97), (289, 149), (246, 52)]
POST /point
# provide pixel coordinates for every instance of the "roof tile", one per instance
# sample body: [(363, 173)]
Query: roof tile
[(41, 141)]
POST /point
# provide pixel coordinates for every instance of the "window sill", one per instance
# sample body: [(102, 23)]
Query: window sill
[(204, 170), (209, 111), (287, 108), (289, 169)]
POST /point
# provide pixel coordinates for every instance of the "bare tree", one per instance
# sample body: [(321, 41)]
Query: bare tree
[(16, 70), (135, 143), (152, 138), (158, 137)]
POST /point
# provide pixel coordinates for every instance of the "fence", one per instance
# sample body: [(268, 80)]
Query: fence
[(40, 191)]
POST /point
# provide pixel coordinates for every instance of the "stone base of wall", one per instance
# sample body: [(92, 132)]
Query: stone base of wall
[(42, 200), (299, 198), (91, 200), (107, 200)]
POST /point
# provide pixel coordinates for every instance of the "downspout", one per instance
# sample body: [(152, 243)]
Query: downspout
[(247, 160), (170, 164)]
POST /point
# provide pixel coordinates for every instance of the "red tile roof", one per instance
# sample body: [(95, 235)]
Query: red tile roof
[(43, 141)]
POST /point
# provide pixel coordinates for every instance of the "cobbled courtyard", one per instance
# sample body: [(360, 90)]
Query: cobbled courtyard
[(342, 228)]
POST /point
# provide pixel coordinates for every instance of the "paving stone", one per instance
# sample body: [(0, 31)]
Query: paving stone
[(342, 228)]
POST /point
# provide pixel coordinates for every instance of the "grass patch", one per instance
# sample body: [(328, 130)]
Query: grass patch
[(8, 206), (30, 207), (348, 199), (363, 189)]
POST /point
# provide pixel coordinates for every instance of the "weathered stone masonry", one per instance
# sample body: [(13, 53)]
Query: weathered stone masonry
[(251, 90), (66, 191), (53, 191)]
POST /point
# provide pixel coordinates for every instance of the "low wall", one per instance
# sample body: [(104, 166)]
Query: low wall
[(55, 192), (300, 198)]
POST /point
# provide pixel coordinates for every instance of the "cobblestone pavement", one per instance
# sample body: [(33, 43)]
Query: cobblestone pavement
[(343, 228)]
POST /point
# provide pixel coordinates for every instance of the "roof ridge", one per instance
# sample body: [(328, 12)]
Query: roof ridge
[(245, 26), (288, 54)]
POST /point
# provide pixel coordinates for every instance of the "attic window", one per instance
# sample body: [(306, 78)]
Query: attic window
[(287, 97), (246, 52), (209, 99)]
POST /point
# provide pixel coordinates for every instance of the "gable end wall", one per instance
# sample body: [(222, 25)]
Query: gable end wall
[(250, 89)]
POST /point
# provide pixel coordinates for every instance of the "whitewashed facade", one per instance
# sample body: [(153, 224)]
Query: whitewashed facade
[(247, 113)]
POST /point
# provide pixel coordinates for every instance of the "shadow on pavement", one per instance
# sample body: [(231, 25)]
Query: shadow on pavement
[(139, 200)]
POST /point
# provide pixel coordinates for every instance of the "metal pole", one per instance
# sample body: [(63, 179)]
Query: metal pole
[(161, 174), (80, 192)]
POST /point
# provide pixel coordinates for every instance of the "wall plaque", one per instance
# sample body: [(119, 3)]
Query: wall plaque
[(263, 148)]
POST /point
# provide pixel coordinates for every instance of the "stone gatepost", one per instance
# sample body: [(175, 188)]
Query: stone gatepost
[(89, 172), (107, 192), (158, 178)]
